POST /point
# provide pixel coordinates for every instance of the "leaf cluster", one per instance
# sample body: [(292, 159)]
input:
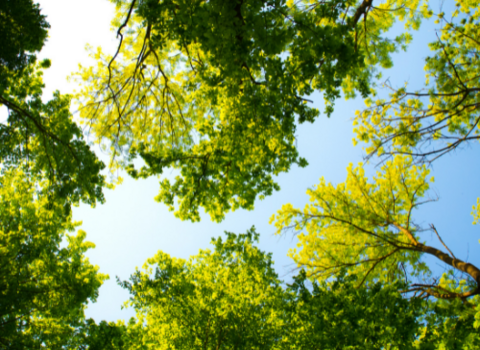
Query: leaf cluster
[(23, 31), (216, 89), (43, 140), (442, 116), (44, 288), (45, 168), (230, 298), (358, 224)]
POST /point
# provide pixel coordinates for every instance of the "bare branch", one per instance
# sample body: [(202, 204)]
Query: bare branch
[(440, 239)]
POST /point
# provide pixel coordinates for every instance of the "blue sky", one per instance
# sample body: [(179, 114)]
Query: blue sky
[(131, 227)]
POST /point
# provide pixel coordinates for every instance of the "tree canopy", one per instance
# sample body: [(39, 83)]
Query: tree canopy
[(45, 168), (226, 299), (445, 112), (369, 228), (44, 287), (231, 298), (216, 90)]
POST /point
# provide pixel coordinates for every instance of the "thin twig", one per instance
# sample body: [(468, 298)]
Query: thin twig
[(440, 239)]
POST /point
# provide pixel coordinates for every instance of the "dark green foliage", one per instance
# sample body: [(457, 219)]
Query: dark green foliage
[(23, 31), (341, 315), (102, 336), (450, 325), (39, 137), (44, 140)]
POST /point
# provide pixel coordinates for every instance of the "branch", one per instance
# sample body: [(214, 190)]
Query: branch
[(303, 99), (407, 233), (119, 33), (22, 112), (440, 239), (430, 289), (458, 264), (378, 260), (361, 10)]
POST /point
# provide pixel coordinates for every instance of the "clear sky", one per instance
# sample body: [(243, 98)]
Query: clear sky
[(131, 227)]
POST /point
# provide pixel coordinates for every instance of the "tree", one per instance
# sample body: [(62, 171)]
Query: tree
[(215, 89), (231, 298), (445, 114), (44, 288), (39, 137), (46, 166), (368, 227)]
